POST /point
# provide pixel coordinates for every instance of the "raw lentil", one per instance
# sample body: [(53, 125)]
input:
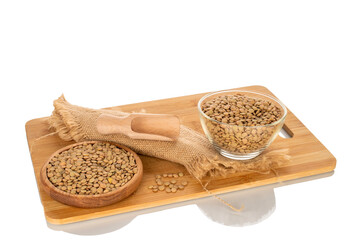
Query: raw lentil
[(242, 124), (91, 169), (168, 186)]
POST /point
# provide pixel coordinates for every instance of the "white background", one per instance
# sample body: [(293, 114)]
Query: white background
[(109, 53)]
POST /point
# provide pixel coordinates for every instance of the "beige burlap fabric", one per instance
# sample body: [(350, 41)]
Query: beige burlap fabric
[(192, 149)]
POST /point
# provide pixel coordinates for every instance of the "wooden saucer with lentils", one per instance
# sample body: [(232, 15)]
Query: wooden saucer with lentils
[(91, 174)]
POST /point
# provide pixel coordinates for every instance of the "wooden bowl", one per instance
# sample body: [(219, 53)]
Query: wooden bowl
[(91, 201)]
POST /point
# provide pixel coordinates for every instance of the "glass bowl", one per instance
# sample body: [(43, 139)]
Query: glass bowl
[(237, 141)]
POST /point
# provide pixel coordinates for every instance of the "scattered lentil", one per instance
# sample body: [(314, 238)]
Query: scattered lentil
[(168, 186)]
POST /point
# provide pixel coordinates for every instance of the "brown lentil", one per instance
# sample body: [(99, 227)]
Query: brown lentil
[(168, 186), (239, 120), (91, 169)]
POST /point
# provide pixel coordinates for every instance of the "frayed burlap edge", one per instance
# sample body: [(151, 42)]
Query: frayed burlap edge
[(263, 164)]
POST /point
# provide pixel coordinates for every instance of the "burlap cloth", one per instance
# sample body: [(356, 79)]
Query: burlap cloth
[(192, 149)]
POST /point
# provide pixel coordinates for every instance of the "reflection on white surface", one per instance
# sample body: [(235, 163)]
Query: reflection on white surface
[(259, 203), (96, 226)]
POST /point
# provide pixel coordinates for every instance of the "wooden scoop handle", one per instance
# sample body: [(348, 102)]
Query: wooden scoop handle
[(165, 127)]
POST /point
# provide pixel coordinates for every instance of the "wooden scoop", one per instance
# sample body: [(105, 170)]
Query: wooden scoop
[(164, 127)]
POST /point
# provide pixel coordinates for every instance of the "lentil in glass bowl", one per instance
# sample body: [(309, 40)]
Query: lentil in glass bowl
[(241, 124)]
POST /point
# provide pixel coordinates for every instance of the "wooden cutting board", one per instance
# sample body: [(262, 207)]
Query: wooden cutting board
[(308, 155)]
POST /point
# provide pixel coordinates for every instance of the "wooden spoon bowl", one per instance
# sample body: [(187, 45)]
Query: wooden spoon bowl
[(91, 201)]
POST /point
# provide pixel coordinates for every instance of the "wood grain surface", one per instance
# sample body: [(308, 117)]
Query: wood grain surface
[(308, 157)]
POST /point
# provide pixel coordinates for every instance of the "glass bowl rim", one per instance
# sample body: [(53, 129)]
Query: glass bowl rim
[(242, 91)]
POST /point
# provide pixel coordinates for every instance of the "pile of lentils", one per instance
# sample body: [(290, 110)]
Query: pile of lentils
[(247, 120), (241, 110), (163, 182), (91, 169)]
